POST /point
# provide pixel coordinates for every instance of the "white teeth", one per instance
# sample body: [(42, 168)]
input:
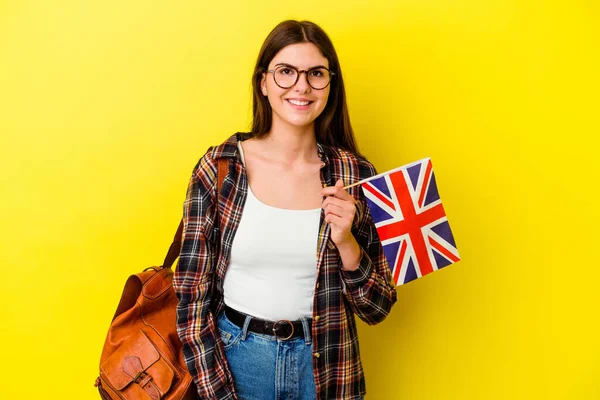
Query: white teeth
[(298, 102)]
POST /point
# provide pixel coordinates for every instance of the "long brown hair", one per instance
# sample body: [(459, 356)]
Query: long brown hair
[(332, 126)]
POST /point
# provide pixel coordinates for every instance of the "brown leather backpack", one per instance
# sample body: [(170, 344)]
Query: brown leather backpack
[(142, 357)]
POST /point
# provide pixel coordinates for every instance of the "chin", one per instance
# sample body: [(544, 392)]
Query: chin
[(301, 124), (295, 119)]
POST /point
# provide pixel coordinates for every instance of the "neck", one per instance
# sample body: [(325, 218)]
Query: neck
[(291, 143)]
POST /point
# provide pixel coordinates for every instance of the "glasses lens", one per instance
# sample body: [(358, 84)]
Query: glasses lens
[(318, 78), (285, 76)]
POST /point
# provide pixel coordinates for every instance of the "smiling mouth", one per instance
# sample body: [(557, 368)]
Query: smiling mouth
[(298, 102)]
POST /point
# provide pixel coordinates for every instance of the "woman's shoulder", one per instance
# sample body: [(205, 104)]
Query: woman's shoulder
[(227, 148), (206, 167)]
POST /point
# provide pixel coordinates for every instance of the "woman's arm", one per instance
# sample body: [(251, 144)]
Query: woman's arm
[(367, 282), (369, 288), (193, 280)]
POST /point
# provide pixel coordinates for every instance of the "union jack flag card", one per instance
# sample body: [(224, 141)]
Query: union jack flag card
[(411, 221)]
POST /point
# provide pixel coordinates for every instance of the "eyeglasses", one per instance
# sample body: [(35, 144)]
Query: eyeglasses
[(286, 76)]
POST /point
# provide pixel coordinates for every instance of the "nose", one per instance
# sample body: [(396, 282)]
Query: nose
[(302, 85)]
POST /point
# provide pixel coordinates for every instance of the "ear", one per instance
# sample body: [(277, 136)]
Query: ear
[(263, 84)]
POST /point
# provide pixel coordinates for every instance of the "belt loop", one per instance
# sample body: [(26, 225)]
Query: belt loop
[(306, 329), (245, 327)]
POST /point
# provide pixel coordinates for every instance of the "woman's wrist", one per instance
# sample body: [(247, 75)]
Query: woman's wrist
[(350, 254)]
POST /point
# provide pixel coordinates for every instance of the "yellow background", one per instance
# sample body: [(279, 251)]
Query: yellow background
[(106, 106)]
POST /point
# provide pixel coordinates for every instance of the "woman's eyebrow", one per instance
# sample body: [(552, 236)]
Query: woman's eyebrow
[(293, 66)]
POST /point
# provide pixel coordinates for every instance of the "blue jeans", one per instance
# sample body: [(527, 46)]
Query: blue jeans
[(267, 368)]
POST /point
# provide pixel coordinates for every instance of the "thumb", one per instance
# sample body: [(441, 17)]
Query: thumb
[(339, 183)]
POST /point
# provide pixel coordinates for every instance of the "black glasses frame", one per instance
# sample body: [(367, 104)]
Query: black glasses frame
[(298, 72)]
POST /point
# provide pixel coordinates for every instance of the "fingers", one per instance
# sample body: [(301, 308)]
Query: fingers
[(337, 191), (335, 220), (340, 222), (339, 212), (338, 201), (338, 207), (334, 203)]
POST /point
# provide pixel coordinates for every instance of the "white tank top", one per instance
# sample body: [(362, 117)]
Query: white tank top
[(273, 266)]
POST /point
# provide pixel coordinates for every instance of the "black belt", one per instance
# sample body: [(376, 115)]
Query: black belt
[(282, 329)]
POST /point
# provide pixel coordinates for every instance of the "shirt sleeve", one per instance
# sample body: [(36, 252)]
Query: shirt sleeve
[(196, 327), (370, 289)]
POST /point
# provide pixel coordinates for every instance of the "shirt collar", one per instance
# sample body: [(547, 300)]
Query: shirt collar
[(229, 148), (324, 153)]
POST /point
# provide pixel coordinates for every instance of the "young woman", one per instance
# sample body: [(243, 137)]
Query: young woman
[(274, 266)]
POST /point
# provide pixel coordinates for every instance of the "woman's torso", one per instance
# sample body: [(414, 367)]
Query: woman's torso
[(272, 269)]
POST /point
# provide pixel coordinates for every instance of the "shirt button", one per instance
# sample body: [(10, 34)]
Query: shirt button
[(317, 318), (317, 355), (317, 285), (330, 245)]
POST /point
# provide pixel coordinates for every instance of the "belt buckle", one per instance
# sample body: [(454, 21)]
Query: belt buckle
[(283, 321)]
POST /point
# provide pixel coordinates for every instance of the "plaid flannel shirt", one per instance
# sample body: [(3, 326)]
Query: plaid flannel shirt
[(368, 292)]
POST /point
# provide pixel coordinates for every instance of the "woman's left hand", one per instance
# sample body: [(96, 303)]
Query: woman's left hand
[(340, 209)]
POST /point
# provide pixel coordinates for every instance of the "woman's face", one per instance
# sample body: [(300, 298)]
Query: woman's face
[(299, 105)]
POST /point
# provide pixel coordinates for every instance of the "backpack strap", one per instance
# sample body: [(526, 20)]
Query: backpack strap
[(175, 247)]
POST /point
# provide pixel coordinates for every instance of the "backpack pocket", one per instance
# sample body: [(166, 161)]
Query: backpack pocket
[(137, 370)]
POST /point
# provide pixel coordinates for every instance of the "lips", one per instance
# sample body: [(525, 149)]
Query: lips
[(299, 103)]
